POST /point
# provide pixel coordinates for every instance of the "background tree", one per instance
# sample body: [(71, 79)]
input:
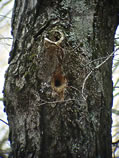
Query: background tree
[(115, 110), (5, 45), (58, 89)]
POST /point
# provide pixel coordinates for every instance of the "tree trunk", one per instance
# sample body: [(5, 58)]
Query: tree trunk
[(57, 96)]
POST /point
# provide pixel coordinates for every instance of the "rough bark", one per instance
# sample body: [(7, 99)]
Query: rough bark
[(55, 46)]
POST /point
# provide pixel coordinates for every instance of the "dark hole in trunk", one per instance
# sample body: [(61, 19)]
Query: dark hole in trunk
[(57, 83)]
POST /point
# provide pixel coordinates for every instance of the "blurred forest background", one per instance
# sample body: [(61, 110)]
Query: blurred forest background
[(5, 46), (6, 7)]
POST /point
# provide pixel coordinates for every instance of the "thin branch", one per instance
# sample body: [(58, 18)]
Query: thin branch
[(84, 82), (54, 102), (5, 4), (116, 112), (1, 19), (7, 151), (116, 87), (3, 38), (3, 121), (115, 143), (98, 59), (116, 38), (115, 126), (7, 44), (5, 16), (1, 99), (101, 58), (74, 88), (97, 67)]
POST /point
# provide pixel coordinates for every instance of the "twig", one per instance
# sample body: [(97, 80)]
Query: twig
[(1, 19), (54, 102), (116, 87), (74, 88), (7, 151), (115, 143), (4, 121), (3, 38), (97, 67), (95, 60), (116, 38), (5, 16), (84, 82), (1, 99), (116, 112)]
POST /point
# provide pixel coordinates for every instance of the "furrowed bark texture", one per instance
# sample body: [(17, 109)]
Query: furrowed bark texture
[(55, 46)]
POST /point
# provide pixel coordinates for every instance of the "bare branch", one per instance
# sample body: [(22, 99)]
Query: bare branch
[(97, 67), (60, 101), (3, 38), (5, 4), (1, 99), (114, 111), (4, 16), (115, 143), (1, 19), (7, 151), (3, 121)]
